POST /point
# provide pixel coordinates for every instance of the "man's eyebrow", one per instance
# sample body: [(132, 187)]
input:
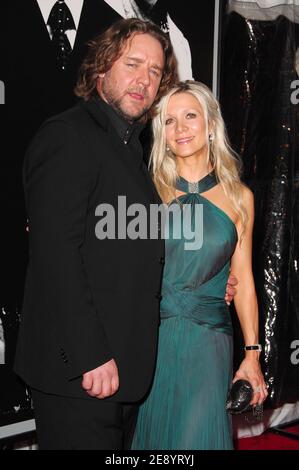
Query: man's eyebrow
[(140, 61), (157, 67)]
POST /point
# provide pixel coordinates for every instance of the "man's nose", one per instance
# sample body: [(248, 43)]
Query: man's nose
[(144, 77)]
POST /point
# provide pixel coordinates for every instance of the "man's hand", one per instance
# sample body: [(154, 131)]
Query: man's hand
[(103, 381), (230, 289)]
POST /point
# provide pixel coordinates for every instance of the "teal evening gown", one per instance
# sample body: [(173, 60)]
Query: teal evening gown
[(185, 408)]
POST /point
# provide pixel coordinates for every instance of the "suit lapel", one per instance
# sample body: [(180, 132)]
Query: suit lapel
[(38, 31), (138, 171)]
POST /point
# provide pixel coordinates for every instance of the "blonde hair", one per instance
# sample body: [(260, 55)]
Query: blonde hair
[(223, 160)]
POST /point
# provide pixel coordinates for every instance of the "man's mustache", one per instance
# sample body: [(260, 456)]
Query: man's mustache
[(139, 91)]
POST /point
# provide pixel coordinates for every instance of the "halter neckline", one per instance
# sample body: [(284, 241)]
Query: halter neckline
[(204, 184)]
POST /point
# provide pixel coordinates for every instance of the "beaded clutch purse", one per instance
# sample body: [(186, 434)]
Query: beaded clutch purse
[(239, 397)]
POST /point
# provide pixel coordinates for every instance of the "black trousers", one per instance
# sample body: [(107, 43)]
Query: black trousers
[(64, 423)]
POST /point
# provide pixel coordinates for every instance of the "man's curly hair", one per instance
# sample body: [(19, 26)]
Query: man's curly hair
[(106, 48)]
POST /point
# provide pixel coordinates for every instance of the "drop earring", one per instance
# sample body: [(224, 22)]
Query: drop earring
[(211, 137)]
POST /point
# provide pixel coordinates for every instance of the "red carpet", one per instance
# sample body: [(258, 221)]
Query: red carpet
[(269, 441)]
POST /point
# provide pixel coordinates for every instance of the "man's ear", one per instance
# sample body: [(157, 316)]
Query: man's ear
[(99, 83)]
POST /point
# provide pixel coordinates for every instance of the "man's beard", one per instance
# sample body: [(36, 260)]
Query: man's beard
[(115, 103)]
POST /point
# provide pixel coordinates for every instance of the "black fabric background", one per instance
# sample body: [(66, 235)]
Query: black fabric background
[(256, 75)]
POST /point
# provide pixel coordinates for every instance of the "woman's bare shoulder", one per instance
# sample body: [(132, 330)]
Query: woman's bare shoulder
[(247, 196)]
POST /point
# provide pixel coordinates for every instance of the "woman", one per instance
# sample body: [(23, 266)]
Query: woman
[(193, 166)]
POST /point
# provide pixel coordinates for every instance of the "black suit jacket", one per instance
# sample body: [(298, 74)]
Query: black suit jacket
[(36, 89), (86, 300), (198, 29)]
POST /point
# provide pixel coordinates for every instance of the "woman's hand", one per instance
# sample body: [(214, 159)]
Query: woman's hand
[(250, 370), (230, 289)]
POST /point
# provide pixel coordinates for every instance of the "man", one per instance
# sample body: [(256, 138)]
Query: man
[(87, 340)]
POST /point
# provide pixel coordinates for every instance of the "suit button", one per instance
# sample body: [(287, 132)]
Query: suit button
[(162, 260), (158, 296)]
